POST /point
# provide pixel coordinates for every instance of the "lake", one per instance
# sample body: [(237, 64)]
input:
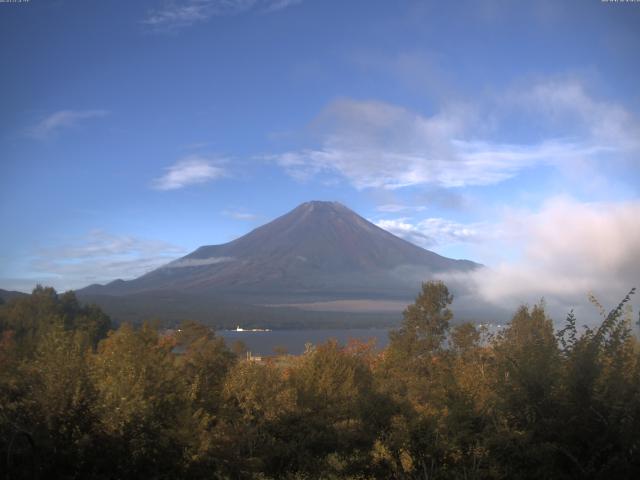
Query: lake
[(264, 343)]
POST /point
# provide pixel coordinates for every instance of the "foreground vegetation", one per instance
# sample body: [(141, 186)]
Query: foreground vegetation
[(80, 400)]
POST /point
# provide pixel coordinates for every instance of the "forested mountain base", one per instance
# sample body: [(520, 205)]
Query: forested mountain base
[(81, 401)]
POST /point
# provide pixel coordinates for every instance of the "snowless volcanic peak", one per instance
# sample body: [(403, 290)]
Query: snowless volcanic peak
[(318, 247)]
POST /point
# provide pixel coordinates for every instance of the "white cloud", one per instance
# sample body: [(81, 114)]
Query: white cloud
[(62, 119), (396, 207), (241, 215), (98, 243), (402, 228), (191, 170), (99, 257), (567, 249), (560, 252), (432, 231), (275, 5), (177, 14), (566, 103), (377, 145)]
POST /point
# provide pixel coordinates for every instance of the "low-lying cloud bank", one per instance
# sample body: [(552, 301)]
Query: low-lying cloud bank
[(565, 251), (198, 262)]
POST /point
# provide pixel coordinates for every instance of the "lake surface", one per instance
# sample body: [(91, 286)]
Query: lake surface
[(264, 343)]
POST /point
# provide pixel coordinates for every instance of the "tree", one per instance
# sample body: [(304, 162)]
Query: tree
[(416, 349), (59, 401), (142, 407), (34, 316), (89, 319), (601, 389), (465, 337), (527, 382), (426, 322), (204, 362), (339, 411), (258, 402)]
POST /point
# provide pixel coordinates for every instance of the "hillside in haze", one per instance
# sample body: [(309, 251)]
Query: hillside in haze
[(320, 252), (6, 295)]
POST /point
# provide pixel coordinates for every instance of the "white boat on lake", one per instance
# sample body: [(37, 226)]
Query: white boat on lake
[(240, 329)]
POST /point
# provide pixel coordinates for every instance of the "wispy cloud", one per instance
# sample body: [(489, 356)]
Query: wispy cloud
[(431, 232), (100, 257), (565, 104), (178, 14), (198, 262), (275, 5), (397, 207), (61, 120), (98, 243), (241, 215), (421, 71), (378, 145), (191, 170)]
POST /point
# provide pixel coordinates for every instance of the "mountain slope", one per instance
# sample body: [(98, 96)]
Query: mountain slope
[(319, 250), (6, 295)]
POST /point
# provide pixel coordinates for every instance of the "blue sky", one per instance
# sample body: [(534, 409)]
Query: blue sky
[(504, 132)]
